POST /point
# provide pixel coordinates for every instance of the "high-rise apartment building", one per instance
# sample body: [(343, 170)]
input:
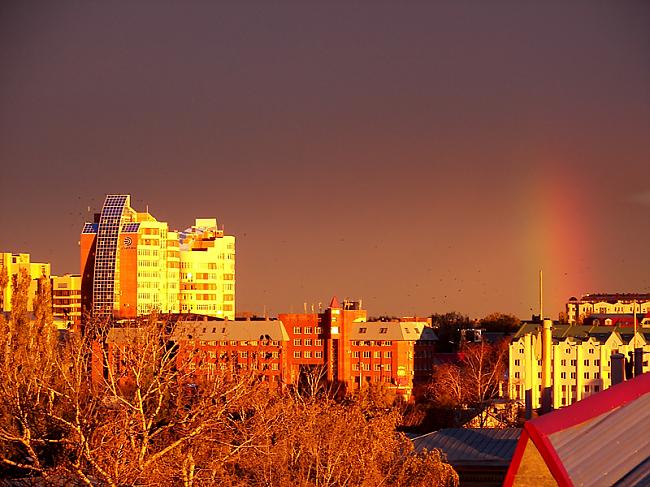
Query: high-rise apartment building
[(207, 273), (12, 264), (131, 262)]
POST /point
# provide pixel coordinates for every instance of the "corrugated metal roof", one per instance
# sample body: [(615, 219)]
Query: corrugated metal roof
[(605, 448), (601, 440), (464, 446)]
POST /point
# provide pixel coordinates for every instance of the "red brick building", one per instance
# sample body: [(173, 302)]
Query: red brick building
[(338, 345)]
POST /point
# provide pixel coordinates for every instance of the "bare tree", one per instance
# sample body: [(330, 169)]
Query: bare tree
[(475, 381)]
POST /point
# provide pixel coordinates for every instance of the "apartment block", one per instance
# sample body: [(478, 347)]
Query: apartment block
[(600, 303), (12, 264), (66, 298), (571, 363), (207, 270), (336, 346), (132, 265)]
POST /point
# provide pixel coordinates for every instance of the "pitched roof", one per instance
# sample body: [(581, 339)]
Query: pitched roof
[(392, 330), (603, 439), (241, 330), (465, 446)]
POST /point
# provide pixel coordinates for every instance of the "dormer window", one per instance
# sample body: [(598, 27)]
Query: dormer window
[(383, 330), (362, 330)]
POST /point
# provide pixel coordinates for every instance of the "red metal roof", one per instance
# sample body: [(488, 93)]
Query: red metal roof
[(603, 438)]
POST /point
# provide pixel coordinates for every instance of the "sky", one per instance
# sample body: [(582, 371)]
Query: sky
[(424, 157)]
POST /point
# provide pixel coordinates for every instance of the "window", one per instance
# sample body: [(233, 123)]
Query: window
[(366, 354), (377, 354), (307, 354), (243, 354), (297, 342), (586, 363), (563, 375), (318, 330), (318, 354), (297, 330), (387, 366), (308, 330), (597, 362), (586, 375), (596, 375), (517, 362), (563, 362), (383, 330), (355, 366), (365, 366), (318, 342), (516, 375), (296, 354), (307, 342), (355, 354), (363, 330), (377, 366), (574, 363), (573, 375), (388, 354)]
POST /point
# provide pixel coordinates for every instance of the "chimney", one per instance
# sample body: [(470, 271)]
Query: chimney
[(618, 368), (638, 361), (547, 352)]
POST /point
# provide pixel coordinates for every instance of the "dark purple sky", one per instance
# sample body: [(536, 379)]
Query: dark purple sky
[(425, 157)]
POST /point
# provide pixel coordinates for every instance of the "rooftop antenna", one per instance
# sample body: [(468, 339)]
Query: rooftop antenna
[(634, 317), (541, 295)]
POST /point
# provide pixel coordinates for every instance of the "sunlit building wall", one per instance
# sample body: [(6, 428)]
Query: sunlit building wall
[(66, 297), (12, 264), (207, 270), (132, 265), (622, 303), (580, 361)]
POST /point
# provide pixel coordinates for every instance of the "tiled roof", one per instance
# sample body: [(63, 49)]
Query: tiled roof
[(465, 446)]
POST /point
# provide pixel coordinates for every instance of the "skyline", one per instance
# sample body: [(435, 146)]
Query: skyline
[(423, 158)]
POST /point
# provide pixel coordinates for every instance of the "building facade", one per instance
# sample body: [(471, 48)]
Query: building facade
[(66, 298), (207, 270), (575, 365), (13, 264), (131, 265), (620, 303)]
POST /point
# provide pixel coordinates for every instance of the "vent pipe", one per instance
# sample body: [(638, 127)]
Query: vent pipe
[(547, 351), (618, 368)]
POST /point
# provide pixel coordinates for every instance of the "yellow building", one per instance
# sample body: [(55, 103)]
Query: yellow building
[(12, 264), (207, 274), (133, 265), (622, 303), (578, 363), (66, 298)]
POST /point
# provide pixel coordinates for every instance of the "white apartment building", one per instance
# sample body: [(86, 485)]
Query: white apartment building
[(579, 360)]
